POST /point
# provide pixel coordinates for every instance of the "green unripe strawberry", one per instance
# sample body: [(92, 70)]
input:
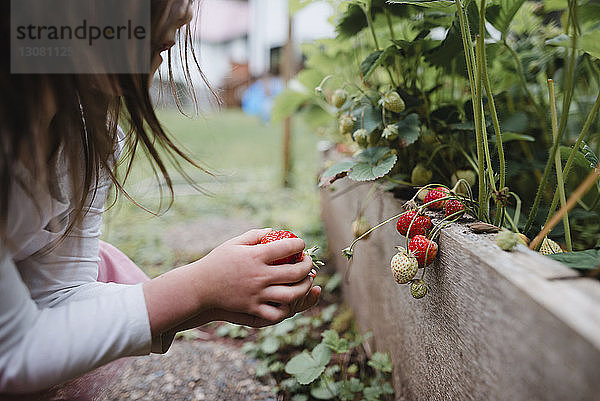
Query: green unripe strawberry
[(404, 266), (418, 289), (390, 132), (468, 175), (393, 102), (346, 123), (361, 136), (420, 175), (507, 239), (339, 98)]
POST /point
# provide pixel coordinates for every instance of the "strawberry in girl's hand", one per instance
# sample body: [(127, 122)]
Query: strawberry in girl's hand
[(424, 249), (434, 194), (420, 225), (276, 235)]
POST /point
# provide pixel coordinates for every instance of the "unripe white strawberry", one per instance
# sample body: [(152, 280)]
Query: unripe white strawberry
[(361, 136), (418, 289), (339, 98), (404, 266), (549, 247), (390, 132), (393, 102), (346, 123), (420, 175)]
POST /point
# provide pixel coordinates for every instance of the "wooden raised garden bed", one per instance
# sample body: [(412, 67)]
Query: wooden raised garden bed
[(494, 325)]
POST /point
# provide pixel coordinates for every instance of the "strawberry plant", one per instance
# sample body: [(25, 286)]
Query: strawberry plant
[(439, 91)]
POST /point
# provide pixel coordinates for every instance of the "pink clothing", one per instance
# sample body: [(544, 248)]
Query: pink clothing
[(114, 267)]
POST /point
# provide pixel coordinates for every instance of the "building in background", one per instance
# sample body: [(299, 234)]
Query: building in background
[(238, 42)]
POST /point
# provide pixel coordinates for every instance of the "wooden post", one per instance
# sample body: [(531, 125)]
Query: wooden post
[(287, 70)]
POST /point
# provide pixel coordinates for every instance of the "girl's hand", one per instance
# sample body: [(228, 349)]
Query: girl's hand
[(235, 282), (240, 278)]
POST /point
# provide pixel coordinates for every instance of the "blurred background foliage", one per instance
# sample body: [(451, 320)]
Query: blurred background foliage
[(243, 156)]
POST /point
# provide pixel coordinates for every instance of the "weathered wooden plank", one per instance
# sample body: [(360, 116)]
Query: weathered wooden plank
[(494, 326)]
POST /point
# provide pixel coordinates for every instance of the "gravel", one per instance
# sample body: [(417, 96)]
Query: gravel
[(192, 371)]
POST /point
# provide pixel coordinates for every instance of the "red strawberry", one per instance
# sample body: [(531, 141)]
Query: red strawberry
[(424, 249), (276, 235), (436, 193), (454, 206), (420, 225)]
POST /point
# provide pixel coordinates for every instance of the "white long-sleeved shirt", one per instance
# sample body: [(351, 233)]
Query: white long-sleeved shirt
[(56, 321)]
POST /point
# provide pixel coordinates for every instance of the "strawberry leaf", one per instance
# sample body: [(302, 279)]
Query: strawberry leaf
[(373, 163), (425, 3), (306, 367), (502, 13), (588, 43), (370, 62), (580, 260), (377, 58), (352, 21), (337, 170), (368, 117), (324, 391), (333, 341), (409, 129)]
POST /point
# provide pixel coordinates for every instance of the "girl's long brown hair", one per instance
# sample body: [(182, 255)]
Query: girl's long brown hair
[(80, 113)]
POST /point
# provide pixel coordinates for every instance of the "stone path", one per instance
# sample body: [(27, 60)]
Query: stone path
[(192, 370)]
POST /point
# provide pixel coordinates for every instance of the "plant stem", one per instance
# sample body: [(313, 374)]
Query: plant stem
[(574, 150), (468, 49), (389, 22), (480, 61), (484, 78), (558, 165), (512, 224), (372, 29), (570, 72), (517, 215), (492, 105), (393, 37), (563, 123)]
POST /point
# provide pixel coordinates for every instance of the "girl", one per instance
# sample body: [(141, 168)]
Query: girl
[(57, 163)]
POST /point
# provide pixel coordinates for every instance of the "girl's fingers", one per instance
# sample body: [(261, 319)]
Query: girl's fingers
[(251, 237), (280, 249), (272, 313), (245, 319), (309, 300), (286, 294), (285, 274)]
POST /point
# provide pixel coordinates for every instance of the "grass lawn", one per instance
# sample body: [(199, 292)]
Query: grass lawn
[(245, 156)]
